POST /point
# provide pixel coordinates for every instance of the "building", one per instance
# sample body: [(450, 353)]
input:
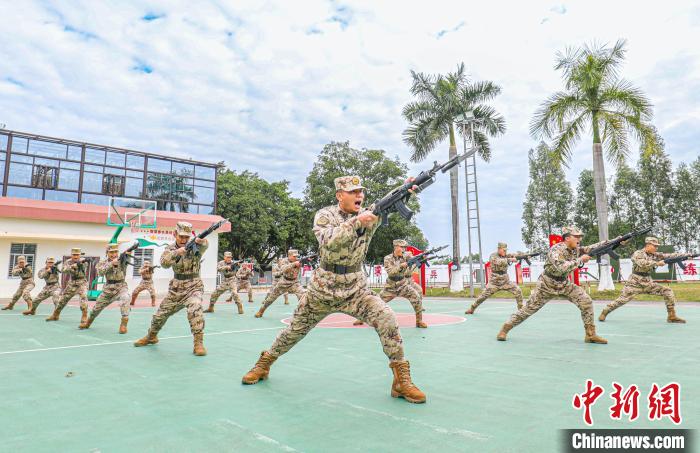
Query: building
[(55, 195)]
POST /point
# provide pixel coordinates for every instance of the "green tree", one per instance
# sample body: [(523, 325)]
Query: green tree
[(655, 188), (439, 100), (379, 175), (548, 199), (585, 213), (625, 208), (685, 207), (596, 99)]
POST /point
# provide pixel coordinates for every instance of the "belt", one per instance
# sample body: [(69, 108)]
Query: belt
[(396, 279), (556, 277), (26, 278), (642, 274), (499, 273), (341, 269), (186, 276), (114, 282)]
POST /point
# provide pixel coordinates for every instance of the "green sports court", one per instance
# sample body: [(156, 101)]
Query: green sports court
[(90, 391)]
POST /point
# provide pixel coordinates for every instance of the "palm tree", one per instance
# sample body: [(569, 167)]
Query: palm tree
[(439, 100), (595, 97)]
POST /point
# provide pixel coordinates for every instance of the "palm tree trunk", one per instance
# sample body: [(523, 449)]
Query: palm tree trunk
[(456, 281), (601, 205)]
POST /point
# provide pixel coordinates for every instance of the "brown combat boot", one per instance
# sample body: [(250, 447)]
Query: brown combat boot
[(504, 331), (261, 369), (133, 299), (402, 387), (419, 321), (358, 322), (84, 317), (85, 324), (286, 301), (240, 308), (122, 326), (153, 301), (604, 314), (470, 310), (210, 309), (29, 310), (673, 318), (9, 306), (199, 348), (260, 313), (54, 316), (592, 337), (150, 338)]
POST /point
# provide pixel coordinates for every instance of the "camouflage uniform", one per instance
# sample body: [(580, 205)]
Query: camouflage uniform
[(228, 283), (499, 281), (26, 285), (288, 283), (276, 275), (76, 286), (243, 276), (52, 288), (114, 290), (400, 282), (146, 284)]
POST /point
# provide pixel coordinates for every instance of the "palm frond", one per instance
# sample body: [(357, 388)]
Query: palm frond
[(418, 110), (478, 92), (549, 119), (625, 98), (490, 121), (423, 135), (423, 86), (614, 137), (564, 141)]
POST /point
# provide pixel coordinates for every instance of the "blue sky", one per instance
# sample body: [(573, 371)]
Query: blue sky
[(263, 86)]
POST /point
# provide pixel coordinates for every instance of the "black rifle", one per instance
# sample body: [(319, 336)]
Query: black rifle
[(608, 248), (233, 265), (679, 260), (424, 257), (308, 259), (192, 245), (397, 198), (124, 257), (526, 257)]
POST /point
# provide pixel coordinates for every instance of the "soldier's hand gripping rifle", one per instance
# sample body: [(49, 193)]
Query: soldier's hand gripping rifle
[(124, 256), (424, 257), (679, 260), (526, 257), (308, 259), (608, 248), (192, 245), (233, 266), (396, 200)]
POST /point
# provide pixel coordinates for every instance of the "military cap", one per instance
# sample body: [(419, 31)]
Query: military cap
[(502, 245), (183, 228), (571, 231), (348, 183), (21, 258), (400, 243), (651, 240), (228, 255), (293, 252), (112, 248), (51, 259), (75, 251)]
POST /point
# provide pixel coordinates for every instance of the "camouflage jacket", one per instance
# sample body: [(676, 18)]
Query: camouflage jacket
[(340, 237), (499, 263), (244, 273), (146, 272), (288, 270), (106, 269), (76, 269), (561, 260), (276, 272), (25, 272), (51, 278), (228, 270), (644, 263), (392, 265), (189, 262)]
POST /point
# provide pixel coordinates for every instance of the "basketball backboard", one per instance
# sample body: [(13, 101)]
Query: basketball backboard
[(131, 212)]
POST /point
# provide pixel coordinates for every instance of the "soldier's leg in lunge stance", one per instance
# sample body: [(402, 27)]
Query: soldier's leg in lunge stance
[(103, 300), (488, 292), (168, 307), (628, 293), (583, 301), (516, 291), (195, 315), (15, 298), (386, 296), (414, 295), (124, 308), (669, 299), (42, 296), (140, 287), (275, 292), (66, 295), (222, 288), (152, 292), (234, 297), (538, 298), (82, 292), (286, 299)]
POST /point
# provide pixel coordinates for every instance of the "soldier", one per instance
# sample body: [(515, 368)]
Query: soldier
[(228, 270), (24, 271), (76, 268), (344, 232), (185, 289), (50, 273), (643, 262), (561, 260), (115, 289), (400, 283), (288, 282), (499, 280), (243, 276), (276, 275), (146, 284)]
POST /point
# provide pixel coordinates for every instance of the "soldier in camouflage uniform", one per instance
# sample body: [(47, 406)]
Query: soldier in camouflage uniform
[(400, 282), (76, 267), (499, 280), (115, 288), (344, 232), (245, 272), (184, 291), (228, 271), (51, 275), (644, 261), (561, 260), (24, 271), (146, 283), (288, 282), (276, 275)]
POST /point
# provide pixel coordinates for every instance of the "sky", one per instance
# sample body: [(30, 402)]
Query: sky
[(263, 86)]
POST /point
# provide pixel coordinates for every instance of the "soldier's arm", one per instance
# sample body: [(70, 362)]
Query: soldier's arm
[(222, 266), (664, 256), (142, 271), (203, 246), (641, 259), (335, 237), (287, 267), (102, 267), (167, 259), (497, 260), (16, 271), (392, 269), (42, 273), (587, 248), (562, 265)]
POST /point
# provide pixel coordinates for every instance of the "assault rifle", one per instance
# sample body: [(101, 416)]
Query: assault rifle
[(233, 265), (192, 245), (124, 256), (424, 257), (80, 262), (679, 260), (308, 259), (608, 248), (526, 257), (397, 198)]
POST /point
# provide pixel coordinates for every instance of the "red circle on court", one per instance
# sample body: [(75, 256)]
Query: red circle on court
[(343, 321)]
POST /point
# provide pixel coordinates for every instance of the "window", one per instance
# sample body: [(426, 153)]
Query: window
[(75, 153), (19, 145), (92, 182), (28, 250), (159, 165), (134, 161), (68, 179), (60, 195), (113, 185), (141, 255), (95, 156), (3, 142), (47, 149), (20, 174), (115, 159), (24, 192), (206, 172), (45, 177)]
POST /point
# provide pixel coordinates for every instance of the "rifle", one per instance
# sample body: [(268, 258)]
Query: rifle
[(234, 265), (397, 198), (679, 260), (526, 257), (424, 257), (193, 247), (308, 259), (608, 248), (124, 257)]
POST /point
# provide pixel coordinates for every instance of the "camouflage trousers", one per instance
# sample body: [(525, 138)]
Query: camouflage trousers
[(23, 292), (410, 290), (643, 285), (181, 294), (499, 283), (115, 292), (226, 285), (242, 286), (283, 287), (546, 290), (363, 305), (53, 291), (286, 295), (74, 287), (145, 285)]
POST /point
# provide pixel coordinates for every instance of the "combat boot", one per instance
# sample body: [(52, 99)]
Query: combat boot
[(470, 310), (210, 309), (673, 318), (122, 326), (199, 348), (592, 337), (54, 316), (419, 321), (604, 314), (504, 331), (84, 317), (9, 306), (261, 369), (402, 387), (286, 300), (150, 338), (29, 310), (86, 324), (240, 308), (153, 301), (358, 322), (133, 299), (260, 313)]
